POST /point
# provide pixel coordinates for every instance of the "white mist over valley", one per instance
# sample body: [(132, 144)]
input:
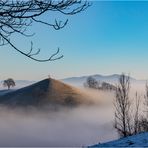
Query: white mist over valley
[(83, 125)]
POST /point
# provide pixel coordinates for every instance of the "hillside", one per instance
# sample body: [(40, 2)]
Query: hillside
[(79, 81), (19, 84), (44, 93), (139, 140)]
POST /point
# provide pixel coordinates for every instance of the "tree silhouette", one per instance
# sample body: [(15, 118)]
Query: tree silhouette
[(91, 83), (122, 106), (17, 15), (9, 83)]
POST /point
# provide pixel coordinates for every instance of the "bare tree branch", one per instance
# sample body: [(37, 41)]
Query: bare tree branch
[(17, 15)]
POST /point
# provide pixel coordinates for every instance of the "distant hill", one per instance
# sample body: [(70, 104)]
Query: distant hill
[(76, 81), (79, 81), (19, 83), (139, 140), (44, 93), (23, 83)]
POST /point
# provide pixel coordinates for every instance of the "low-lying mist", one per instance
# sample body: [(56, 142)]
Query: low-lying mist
[(80, 126), (76, 127)]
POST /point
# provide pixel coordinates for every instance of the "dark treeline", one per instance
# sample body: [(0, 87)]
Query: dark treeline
[(94, 84), (130, 117)]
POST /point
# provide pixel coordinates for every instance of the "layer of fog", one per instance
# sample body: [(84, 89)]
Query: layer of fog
[(77, 127), (81, 126)]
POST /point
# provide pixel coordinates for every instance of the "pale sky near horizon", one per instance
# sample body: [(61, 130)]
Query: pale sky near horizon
[(108, 38)]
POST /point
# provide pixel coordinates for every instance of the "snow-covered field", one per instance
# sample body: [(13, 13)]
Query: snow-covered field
[(139, 140), (19, 84)]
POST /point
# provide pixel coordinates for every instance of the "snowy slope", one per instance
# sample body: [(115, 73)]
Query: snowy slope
[(19, 84), (139, 140)]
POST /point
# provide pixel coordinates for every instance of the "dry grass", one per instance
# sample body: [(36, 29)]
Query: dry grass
[(46, 92)]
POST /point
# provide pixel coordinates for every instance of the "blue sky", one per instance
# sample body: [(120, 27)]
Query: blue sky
[(110, 37)]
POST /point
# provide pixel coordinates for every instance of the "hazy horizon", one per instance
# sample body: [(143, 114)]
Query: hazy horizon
[(76, 76)]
